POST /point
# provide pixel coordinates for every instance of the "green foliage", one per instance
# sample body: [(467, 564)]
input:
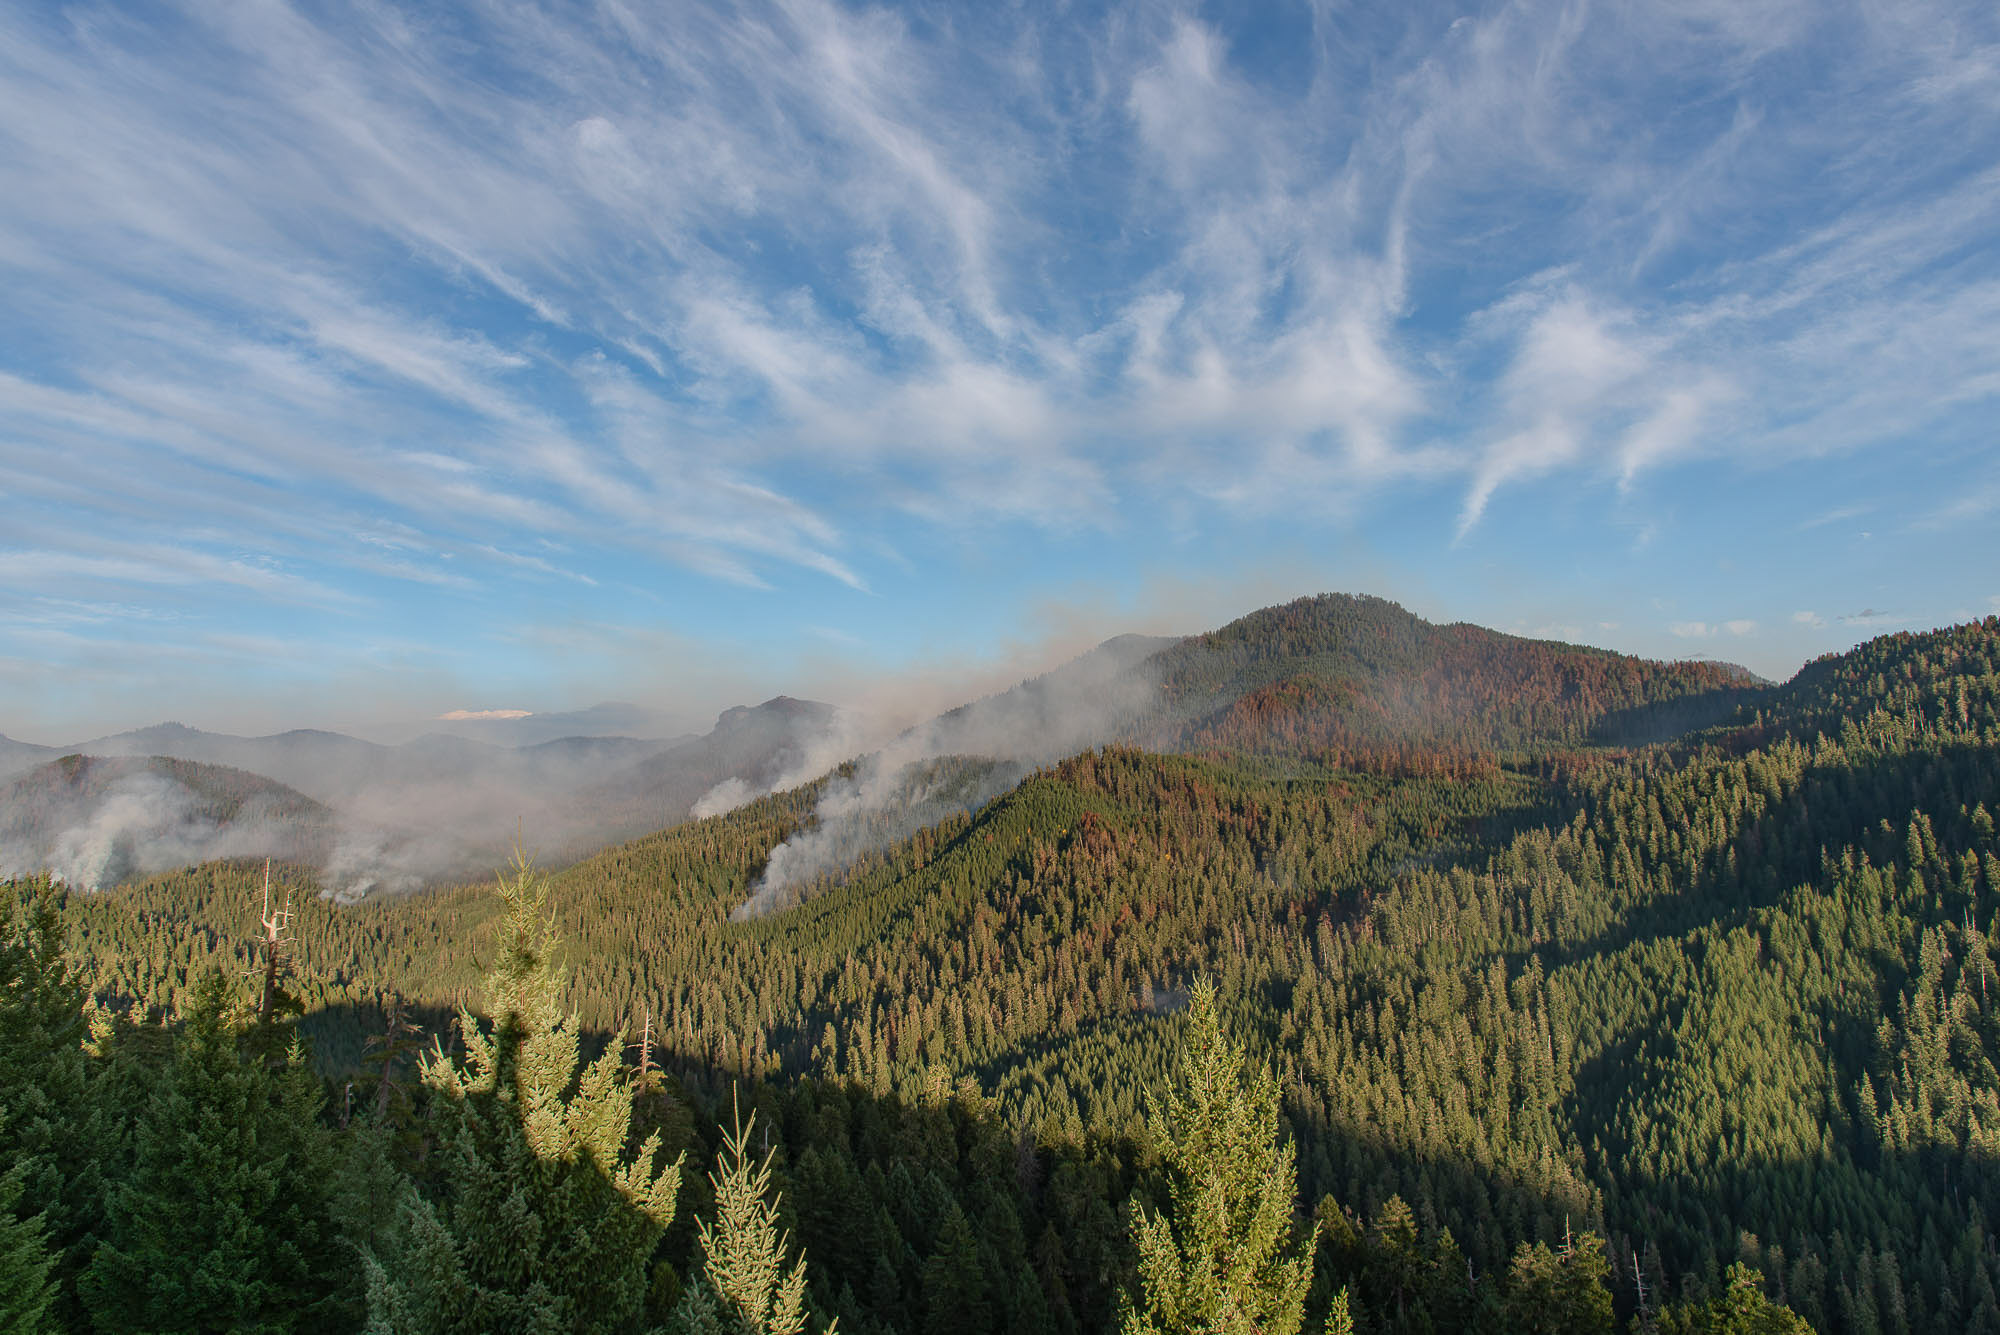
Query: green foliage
[(1559, 1292), (1219, 1256), (1740, 1309), (745, 1287), (46, 1112), (1738, 984), (27, 1288), (1338, 1320), (219, 1219), (537, 1219)]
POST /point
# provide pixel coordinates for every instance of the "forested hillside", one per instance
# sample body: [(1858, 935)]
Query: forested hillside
[(1719, 999), (1340, 676)]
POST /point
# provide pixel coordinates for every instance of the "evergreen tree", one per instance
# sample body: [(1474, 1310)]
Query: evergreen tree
[(540, 1220), (46, 1138), (745, 1288), (1740, 1309), (1219, 1257), (27, 1291), (1560, 1292), (221, 1219), (1339, 1321)]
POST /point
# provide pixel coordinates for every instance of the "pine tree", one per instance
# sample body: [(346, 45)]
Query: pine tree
[(1219, 1257), (540, 1220), (1339, 1321), (745, 1287), (1561, 1292)]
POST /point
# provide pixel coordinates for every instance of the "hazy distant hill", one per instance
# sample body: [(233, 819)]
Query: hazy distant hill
[(1087, 701), (750, 750), (98, 821), (322, 764), (610, 719), (16, 757)]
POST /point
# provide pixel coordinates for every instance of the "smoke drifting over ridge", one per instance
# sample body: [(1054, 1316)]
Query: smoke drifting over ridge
[(92, 823), (448, 806), (898, 789), (381, 819)]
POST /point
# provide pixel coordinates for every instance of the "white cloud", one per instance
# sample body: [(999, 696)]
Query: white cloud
[(1708, 630), (726, 288)]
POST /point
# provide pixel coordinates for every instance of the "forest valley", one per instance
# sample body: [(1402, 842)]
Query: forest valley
[(1377, 976)]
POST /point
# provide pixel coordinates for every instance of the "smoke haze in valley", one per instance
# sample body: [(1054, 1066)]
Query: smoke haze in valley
[(393, 818), (450, 803), (92, 823)]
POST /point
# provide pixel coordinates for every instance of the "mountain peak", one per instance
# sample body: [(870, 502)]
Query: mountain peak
[(778, 707)]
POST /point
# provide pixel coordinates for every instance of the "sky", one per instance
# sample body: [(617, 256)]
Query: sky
[(361, 361)]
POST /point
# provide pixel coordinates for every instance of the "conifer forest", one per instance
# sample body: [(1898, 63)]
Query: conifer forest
[(1372, 976)]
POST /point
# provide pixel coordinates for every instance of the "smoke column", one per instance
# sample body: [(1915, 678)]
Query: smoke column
[(893, 792)]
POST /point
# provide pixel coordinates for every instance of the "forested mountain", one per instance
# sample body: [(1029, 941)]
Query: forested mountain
[(98, 821), (1547, 1016), (1340, 676)]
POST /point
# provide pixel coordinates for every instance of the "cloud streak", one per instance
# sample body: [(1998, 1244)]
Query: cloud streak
[(381, 307)]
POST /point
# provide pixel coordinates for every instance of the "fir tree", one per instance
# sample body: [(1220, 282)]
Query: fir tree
[(1740, 1309), (540, 1220), (1561, 1292), (745, 1287), (47, 1136), (1219, 1258), (1338, 1320), (221, 1220), (27, 1290)]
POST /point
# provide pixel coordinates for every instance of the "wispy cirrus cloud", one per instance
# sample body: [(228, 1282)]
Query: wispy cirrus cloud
[(587, 297)]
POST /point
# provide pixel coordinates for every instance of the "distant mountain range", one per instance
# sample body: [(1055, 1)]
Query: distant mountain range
[(1337, 677), (437, 807), (610, 719)]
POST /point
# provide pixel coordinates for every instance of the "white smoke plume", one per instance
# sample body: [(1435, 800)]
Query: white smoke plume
[(142, 824), (896, 791), (837, 739), (374, 819)]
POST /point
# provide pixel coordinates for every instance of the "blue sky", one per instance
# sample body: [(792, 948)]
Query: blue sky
[(363, 361)]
